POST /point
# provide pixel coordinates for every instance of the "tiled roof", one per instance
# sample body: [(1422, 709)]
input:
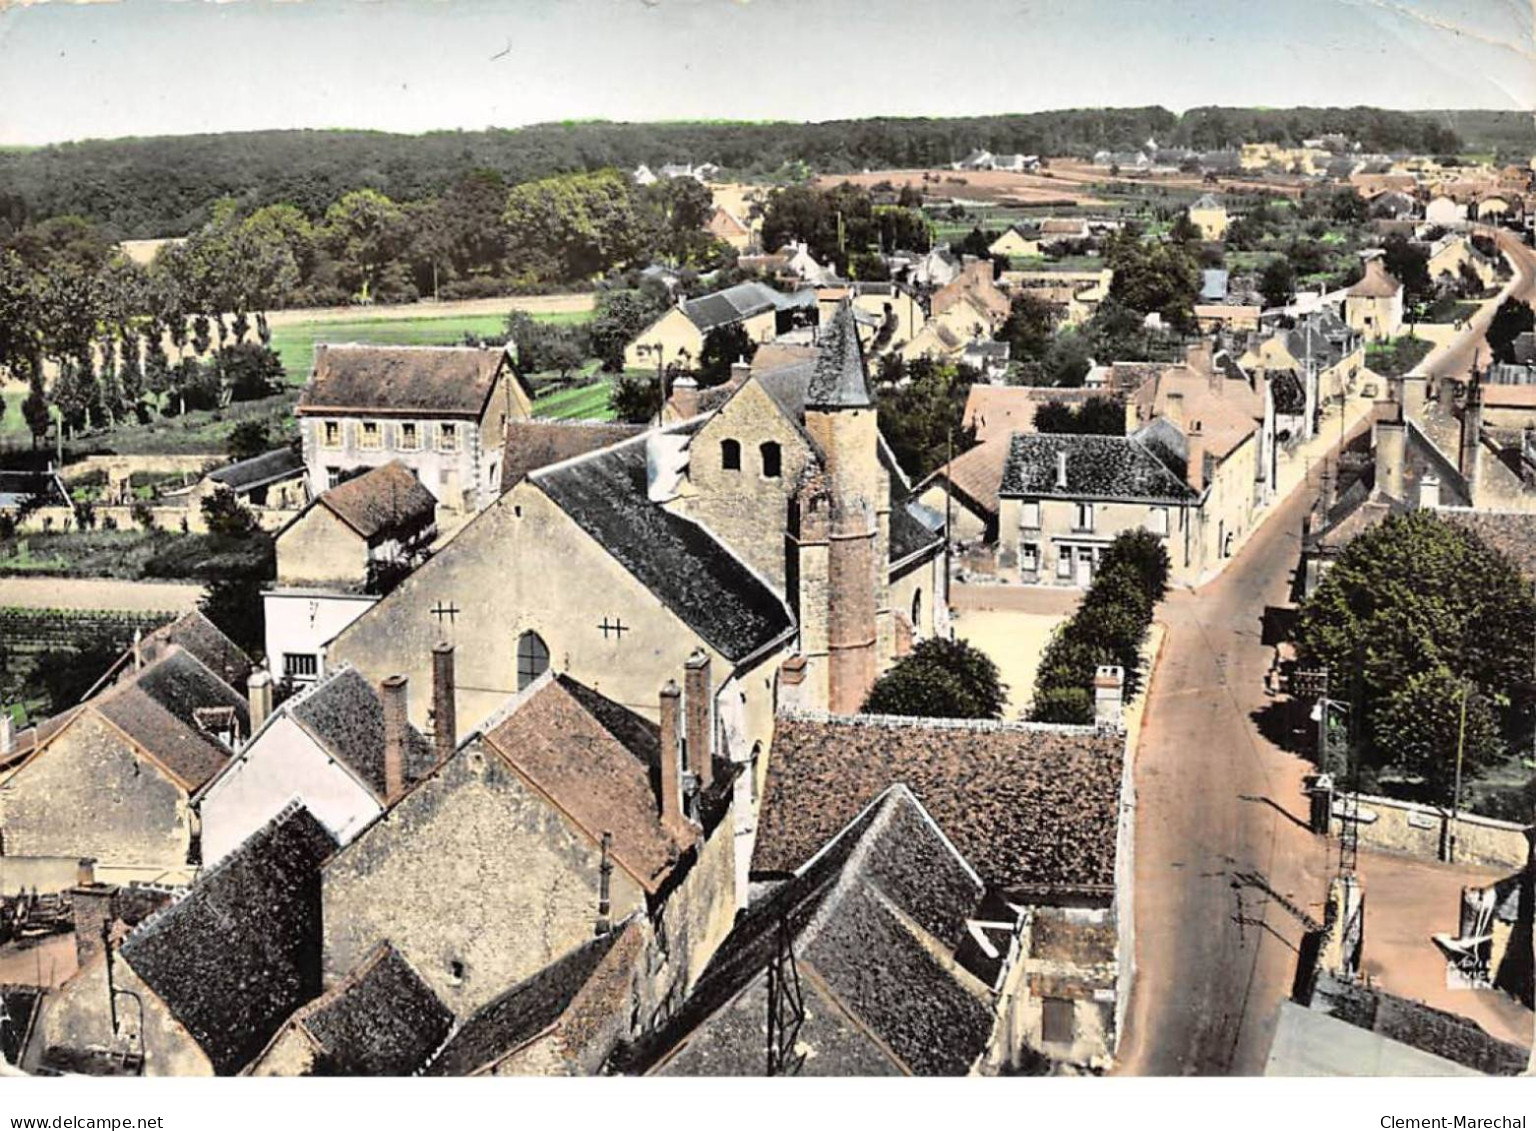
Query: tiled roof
[(1375, 283), (345, 715), (1000, 410), (158, 708), (536, 1005), (426, 380), (240, 951), (1223, 410), (1512, 533), (1031, 807), (839, 379), (977, 474), (382, 1020), (876, 919), (198, 635), (1098, 467), (386, 501), (594, 759), (691, 573), (269, 467), (532, 444)]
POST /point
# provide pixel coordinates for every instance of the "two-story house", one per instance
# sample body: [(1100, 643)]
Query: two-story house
[(439, 410)]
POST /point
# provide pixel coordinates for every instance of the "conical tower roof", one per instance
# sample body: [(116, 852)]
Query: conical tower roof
[(839, 380)]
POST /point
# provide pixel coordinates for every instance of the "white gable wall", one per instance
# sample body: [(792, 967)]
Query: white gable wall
[(281, 763)]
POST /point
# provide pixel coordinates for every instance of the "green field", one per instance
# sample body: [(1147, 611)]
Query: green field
[(296, 343), (584, 402)]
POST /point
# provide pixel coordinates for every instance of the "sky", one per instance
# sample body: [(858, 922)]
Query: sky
[(113, 68)]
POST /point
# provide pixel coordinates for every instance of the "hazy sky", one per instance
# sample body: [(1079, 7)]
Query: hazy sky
[(106, 69)]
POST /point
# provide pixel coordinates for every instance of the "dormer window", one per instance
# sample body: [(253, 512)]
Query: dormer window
[(730, 455), (773, 460)]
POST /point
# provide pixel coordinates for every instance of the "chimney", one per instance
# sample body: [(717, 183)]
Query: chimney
[(85, 872), (672, 818), (1200, 358), (258, 689), (1194, 443), (741, 369), (7, 732), (445, 721), (92, 907), (1429, 492), (1109, 696), (1173, 407), (698, 717), (393, 693), (1471, 431), (1415, 391), (1390, 441), (1061, 469), (138, 649), (685, 398)]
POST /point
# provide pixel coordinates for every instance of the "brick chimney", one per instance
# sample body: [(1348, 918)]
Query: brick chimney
[(1109, 696), (685, 398), (393, 693), (445, 721), (258, 690), (698, 717), (671, 801)]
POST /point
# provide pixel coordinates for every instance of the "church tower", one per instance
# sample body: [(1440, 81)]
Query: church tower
[(841, 530)]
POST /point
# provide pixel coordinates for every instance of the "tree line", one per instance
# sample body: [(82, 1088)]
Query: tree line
[(146, 188)]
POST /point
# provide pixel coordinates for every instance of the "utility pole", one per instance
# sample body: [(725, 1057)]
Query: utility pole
[(1461, 748)]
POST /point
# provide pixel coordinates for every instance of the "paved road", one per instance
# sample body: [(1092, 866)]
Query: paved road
[(1456, 360), (1220, 827)]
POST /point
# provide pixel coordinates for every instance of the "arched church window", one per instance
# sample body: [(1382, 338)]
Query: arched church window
[(532, 658)]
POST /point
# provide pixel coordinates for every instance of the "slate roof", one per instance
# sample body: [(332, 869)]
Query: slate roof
[(734, 304), (157, 708), (594, 760), (345, 715), (868, 919), (387, 501), (381, 1020), (1032, 807), (532, 444), (196, 634), (839, 379), (1512, 533), (421, 380), (1289, 393), (1419, 1026), (532, 1007), (18, 488), (235, 956), (1098, 467), (269, 467), (692, 574)]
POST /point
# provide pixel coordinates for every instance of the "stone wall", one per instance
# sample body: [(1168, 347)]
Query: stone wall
[(1421, 830), (90, 794)]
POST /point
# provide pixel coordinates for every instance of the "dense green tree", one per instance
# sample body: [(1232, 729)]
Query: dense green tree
[(635, 398), (940, 679), (1421, 597), (1096, 416), (1408, 263), (921, 415), (1277, 283), (723, 347), (1422, 722), (366, 232), (572, 227), (1510, 320), (1153, 277), (248, 439), (618, 320), (1028, 327)]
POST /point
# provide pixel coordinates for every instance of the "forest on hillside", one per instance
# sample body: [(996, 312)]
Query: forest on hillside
[(141, 188)]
